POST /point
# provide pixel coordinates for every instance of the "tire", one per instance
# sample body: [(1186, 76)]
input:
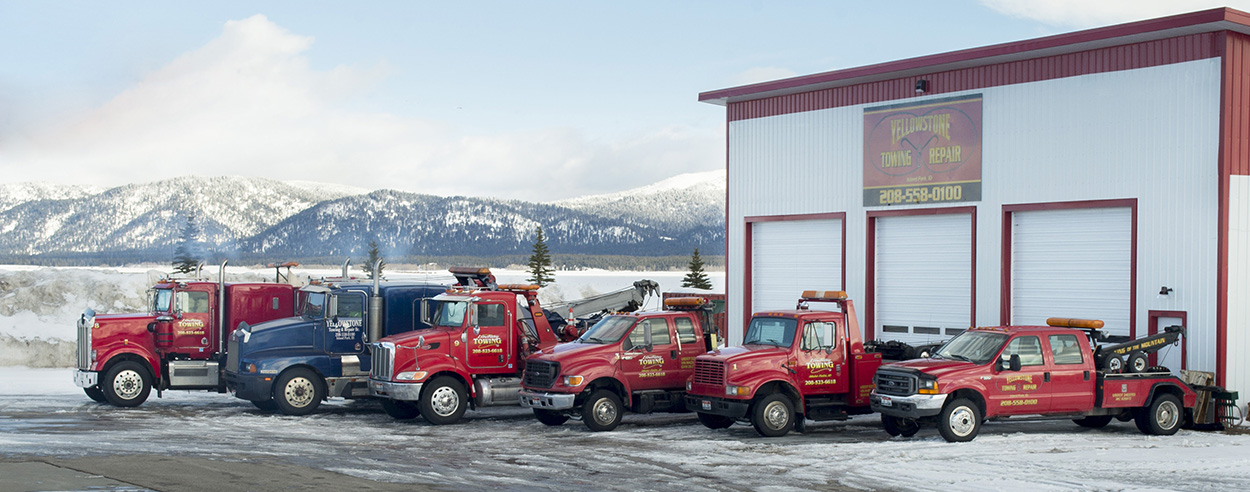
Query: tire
[(443, 401), (126, 384), (1164, 416), (549, 417), (265, 405), (298, 392), (773, 415), (898, 426), (95, 393), (1138, 362), (400, 410), (602, 411), (1094, 422), (715, 421), (960, 421), (1113, 364)]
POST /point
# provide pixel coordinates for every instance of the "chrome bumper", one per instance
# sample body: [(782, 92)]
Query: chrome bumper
[(395, 391), (547, 401), (86, 379), (911, 406)]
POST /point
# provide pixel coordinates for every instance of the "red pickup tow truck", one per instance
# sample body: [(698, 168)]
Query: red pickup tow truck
[(1054, 371)]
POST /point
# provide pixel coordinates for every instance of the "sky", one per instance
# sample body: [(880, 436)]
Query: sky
[(537, 100)]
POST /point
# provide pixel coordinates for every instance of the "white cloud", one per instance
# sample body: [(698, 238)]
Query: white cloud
[(248, 104), (762, 74), (1087, 13)]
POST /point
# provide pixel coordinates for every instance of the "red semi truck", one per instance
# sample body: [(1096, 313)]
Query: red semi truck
[(635, 361), (178, 344), (1012, 371), (793, 365)]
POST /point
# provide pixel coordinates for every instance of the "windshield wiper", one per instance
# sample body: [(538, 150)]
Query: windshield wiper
[(960, 357), (595, 340)]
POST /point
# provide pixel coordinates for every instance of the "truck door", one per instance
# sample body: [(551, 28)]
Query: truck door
[(1025, 391), (649, 369), (1071, 376), (689, 345), (491, 343), (345, 329), (819, 364), (191, 328)]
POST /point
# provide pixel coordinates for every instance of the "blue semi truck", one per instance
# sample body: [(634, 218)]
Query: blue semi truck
[(291, 365)]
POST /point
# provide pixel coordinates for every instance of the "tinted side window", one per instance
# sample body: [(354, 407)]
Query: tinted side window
[(351, 306), (490, 315), (659, 334), (685, 330), (1065, 349), (193, 302), (1028, 348)]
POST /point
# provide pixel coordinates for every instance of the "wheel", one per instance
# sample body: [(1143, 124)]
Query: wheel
[(443, 401), (298, 392), (1113, 364), (126, 384), (1138, 362), (95, 393), (399, 409), (602, 411), (715, 421), (959, 421), (1163, 417), (773, 415), (266, 405), (898, 426), (1094, 422), (549, 417)]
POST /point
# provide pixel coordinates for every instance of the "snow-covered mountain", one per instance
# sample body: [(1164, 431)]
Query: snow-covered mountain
[(13, 194), (302, 220)]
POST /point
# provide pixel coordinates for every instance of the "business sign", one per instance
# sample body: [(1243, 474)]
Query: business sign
[(923, 152)]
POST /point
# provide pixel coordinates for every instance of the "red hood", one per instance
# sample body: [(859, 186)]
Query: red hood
[(125, 317), (410, 338), (938, 368), (746, 353), (565, 351)]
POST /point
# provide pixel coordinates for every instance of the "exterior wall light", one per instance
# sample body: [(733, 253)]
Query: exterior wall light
[(1165, 290), (922, 86)]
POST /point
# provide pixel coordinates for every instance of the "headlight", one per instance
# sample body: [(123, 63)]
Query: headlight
[(689, 385), (738, 390), (410, 376), (927, 387), (249, 368), (573, 381)]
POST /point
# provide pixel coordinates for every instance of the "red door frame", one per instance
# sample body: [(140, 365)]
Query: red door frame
[(870, 262), (748, 237), (1152, 327), (1005, 267)]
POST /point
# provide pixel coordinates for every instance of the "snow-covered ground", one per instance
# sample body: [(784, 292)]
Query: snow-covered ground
[(39, 305), (43, 414)]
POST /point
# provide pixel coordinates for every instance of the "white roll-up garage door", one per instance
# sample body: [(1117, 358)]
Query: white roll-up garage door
[(789, 257), (1075, 263), (923, 277)]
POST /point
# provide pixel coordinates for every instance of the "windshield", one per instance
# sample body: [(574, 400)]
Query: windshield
[(160, 301), (778, 332), (610, 329), (450, 313), (973, 346), (314, 305)]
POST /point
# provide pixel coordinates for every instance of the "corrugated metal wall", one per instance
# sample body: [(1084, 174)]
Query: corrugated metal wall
[(1237, 370), (1150, 134)]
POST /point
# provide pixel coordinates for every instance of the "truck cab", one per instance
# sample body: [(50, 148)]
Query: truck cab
[(178, 344), (793, 365), (635, 361), (293, 364), (1012, 371)]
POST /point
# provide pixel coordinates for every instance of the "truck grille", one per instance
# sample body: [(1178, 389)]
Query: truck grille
[(232, 355), (83, 352), (541, 373), (383, 364), (709, 372), (889, 383)]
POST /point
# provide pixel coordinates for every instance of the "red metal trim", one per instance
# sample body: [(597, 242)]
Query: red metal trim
[(870, 263), (1234, 159), (1005, 275), (1128, 36), (748, 236), (1152, 327), (728, 258), (948, 79)]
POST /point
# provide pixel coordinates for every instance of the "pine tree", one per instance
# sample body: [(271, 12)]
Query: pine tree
[(696, 278), (374, 256), (190, 249), (540, 262)]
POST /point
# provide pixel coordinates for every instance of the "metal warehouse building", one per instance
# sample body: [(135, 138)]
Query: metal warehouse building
[(1096, 174)]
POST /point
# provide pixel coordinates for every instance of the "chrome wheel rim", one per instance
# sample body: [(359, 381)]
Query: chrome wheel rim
[(1167, 415), (298, 392), (962, 421), (604, 412), (127, 384), (1139, 365), (444, 401), (776, 416)]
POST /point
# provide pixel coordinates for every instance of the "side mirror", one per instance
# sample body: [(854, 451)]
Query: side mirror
[(646, 338), (1009, 364), (427, 317), (332, 308)]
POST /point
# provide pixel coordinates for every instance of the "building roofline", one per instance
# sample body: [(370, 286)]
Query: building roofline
[(1218, 19)]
